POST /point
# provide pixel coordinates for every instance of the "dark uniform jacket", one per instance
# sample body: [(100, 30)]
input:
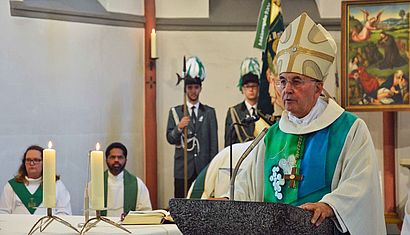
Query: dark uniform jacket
[(245, 132), (203, 140)]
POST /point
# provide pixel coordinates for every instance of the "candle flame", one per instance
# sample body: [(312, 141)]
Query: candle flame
[(50, 144), (153, 31), (97, 146)]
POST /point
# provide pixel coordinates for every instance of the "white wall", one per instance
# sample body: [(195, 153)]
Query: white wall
[(74, 84)]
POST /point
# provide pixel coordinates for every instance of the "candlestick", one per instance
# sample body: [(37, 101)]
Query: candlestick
[(49, 177), (153, 44), (97, 180)]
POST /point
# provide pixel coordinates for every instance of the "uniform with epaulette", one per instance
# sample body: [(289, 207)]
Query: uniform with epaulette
[(202, 143), (249, 86)]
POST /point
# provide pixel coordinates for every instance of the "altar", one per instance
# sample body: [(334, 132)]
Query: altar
[(21, 224)]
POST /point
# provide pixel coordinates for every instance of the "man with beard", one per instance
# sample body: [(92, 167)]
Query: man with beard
[(123, 192), (202, 129)]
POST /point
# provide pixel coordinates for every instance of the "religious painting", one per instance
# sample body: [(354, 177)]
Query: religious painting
[(375, 55)]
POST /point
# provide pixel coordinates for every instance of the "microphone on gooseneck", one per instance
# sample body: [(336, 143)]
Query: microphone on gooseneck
[(250, 119)]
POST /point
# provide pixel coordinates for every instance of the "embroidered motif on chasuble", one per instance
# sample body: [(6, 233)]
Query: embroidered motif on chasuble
[(30, 201), (313, 167)]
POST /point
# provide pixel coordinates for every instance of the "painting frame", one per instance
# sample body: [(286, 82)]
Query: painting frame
[(375, 55)]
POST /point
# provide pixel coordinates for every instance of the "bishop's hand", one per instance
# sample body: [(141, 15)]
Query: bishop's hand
[(320, 210)]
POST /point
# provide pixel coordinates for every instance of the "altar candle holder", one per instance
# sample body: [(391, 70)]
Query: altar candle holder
[(44, 221), (49, 192), (98, 217)]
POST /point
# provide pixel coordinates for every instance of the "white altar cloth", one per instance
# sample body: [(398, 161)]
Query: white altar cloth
[(21, 224)]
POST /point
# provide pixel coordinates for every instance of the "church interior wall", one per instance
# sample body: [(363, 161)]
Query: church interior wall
[(76, 84)]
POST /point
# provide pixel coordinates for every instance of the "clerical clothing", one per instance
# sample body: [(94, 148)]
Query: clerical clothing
[(29, 201), (214, 180), (125, 192), (349, 179), (406, 221)]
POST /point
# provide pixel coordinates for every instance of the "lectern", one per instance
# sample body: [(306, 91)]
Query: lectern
[(240, 217)]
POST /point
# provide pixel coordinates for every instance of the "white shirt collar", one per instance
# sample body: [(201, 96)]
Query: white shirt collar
[(318, 109), (249, 106), (189, 106)]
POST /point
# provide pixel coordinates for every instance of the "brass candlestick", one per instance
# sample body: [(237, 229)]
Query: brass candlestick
[(94, 221), (44, 221)]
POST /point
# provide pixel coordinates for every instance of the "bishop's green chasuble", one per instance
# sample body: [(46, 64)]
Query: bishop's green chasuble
[(300, 168)]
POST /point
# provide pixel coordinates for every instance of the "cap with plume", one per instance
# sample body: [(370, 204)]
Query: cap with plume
[(195, 73), (250, 72)]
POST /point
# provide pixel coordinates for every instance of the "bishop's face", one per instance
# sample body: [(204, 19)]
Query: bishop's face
[(116, 161), (299, 92)]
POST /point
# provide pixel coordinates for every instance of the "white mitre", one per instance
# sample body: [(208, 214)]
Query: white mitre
[(306, 48)]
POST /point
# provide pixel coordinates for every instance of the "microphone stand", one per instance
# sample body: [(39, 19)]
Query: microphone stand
[(230, 144), (242, 158), (245, 123)]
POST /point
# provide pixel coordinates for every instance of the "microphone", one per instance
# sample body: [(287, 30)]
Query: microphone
[(250, 119)]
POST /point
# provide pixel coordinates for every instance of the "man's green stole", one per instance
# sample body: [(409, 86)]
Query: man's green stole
[(30, 201), (300, 168), (130, 192), (198, 187)]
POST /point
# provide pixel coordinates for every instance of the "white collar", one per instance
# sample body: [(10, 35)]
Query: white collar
[(317, 109), (33, 181), (249, 106), (120, 176), (189, 105), (327, 117)]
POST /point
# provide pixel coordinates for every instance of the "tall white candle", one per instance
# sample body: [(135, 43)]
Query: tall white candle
[(153, 44), (49, 177), (97, 180)]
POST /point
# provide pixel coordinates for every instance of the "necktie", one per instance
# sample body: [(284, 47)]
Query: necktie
[(253, 112), (193, 115)]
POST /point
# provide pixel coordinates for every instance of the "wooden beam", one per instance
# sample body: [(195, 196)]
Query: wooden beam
[(150, 107), (389, 126)]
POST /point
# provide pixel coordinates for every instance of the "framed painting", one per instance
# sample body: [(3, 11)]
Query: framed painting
[(375, 55)]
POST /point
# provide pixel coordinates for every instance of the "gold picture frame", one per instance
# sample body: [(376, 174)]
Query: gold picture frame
[(375, 55)]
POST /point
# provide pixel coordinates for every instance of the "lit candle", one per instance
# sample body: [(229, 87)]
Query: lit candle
[(49, 177), (153, 44), (97, 180)]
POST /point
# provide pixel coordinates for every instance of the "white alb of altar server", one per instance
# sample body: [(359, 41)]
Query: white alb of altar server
[(10, 203), (115, 200)]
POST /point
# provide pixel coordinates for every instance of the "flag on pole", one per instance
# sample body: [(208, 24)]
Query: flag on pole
[(270, 26)]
